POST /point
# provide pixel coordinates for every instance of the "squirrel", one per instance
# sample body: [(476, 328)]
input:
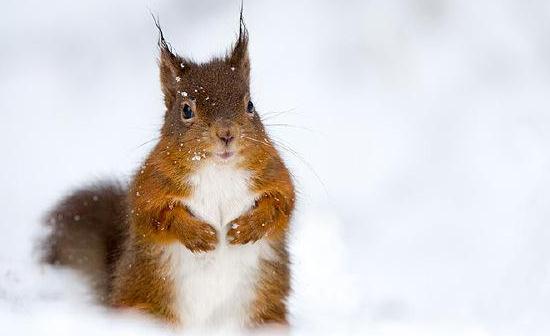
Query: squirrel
[(199, 237)]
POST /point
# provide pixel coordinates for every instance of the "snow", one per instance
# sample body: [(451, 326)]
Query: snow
[(427, 126)]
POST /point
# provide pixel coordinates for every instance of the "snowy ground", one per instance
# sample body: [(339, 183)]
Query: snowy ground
[(422, 133)]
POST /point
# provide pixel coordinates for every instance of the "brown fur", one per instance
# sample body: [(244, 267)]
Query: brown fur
[(87, 229), (218, 92)]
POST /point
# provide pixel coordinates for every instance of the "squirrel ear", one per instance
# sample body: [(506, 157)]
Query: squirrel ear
[(239, 54), (170, 67)]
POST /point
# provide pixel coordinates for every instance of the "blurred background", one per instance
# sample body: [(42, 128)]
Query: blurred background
[(417, 132)]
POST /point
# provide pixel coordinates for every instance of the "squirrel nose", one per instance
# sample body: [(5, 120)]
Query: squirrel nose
[(226, 136)]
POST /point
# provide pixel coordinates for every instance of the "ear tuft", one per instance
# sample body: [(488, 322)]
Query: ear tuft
[(239, 54)]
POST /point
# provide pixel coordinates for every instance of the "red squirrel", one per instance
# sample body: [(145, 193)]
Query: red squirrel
[(199, 238)]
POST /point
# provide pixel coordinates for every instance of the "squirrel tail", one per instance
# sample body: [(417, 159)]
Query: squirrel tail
[(87, 230)]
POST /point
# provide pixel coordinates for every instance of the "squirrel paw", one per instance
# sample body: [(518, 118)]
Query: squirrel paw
[(201, 239), (244, 232)]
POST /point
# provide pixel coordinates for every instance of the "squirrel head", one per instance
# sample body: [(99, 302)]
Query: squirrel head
[(209, 110)]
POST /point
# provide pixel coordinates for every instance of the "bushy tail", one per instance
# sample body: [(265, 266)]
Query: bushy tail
[(88, 228)]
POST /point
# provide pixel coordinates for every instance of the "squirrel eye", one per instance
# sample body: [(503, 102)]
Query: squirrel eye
[(187, 112), (250, 107)]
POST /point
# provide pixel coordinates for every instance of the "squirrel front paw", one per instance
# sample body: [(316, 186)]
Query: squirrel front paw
[(201, 237), (244, 231)]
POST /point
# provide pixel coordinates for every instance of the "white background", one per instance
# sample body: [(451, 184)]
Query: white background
[(421, 132)]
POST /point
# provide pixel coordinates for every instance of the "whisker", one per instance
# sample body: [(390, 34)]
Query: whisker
[(281, 145), (256, 140), (293, 126), (270, 115), (148, 141)]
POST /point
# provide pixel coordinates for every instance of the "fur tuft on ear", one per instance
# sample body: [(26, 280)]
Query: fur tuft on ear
[(239, 55), (171, 66)]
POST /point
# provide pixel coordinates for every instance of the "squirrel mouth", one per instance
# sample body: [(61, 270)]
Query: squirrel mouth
[(225, 155)]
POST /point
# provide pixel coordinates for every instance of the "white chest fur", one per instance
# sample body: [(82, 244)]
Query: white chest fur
[(216, 288), (221, 194)]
